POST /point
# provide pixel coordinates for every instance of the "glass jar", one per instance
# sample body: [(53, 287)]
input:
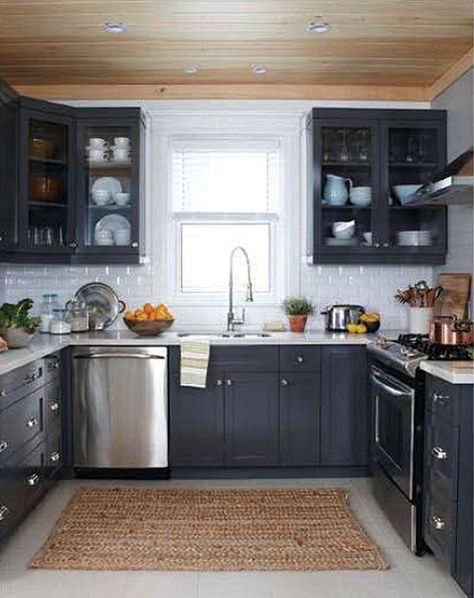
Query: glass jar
[(78, 315), (60, 322), (48, 304)]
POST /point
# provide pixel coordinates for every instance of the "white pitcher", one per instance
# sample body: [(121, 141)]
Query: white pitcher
[(335, 190)]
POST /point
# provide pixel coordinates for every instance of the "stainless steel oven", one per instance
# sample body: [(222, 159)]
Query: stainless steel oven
[(394, 428), (397, 441)]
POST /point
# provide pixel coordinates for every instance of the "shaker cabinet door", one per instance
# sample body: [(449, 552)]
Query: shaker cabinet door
[(344, 407)]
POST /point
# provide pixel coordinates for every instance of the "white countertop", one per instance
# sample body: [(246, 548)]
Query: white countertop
[(44, 344), (455, 372)]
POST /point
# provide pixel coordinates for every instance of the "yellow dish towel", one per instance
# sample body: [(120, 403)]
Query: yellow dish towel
[(194, 362)]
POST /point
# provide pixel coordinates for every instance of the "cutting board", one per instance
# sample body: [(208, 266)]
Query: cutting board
[(455, 297)]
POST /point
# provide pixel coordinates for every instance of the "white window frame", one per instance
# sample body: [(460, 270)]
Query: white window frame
[(285, 236)]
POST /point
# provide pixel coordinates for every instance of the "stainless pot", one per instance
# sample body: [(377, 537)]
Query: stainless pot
[(337, 317), (448, 330)]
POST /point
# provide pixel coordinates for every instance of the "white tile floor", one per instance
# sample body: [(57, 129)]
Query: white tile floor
[(408, 577)]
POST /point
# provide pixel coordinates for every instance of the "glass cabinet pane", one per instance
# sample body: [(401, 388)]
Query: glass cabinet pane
[(347, 187), (413, 159), (109, 164), (47, 203)]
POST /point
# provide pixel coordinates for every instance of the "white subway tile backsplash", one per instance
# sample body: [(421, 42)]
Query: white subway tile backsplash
[(371, 286)]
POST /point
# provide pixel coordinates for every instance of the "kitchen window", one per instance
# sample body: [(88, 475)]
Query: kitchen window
[(226, 192)]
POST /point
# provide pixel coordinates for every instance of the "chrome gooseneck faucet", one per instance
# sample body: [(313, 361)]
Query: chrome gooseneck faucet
[(232, 321)]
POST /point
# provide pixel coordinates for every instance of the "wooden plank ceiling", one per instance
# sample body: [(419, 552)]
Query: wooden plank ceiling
[(396, 43)]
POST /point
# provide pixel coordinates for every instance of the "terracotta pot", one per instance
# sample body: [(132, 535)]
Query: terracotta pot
[(297, 323)]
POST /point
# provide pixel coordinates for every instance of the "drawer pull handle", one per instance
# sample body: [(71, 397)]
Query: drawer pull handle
[(55, 457), (300, 359), (4, 512), (439, 398), (3, 446), (3, 393), (32, 422), (439, 453), (54, 406), (33, 479), (284, 382), (437, 523), (219, 382)]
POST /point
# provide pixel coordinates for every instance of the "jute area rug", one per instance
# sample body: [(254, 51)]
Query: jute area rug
[(107, 529)]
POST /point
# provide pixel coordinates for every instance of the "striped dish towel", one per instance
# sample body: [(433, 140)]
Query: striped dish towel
[(194, 362)]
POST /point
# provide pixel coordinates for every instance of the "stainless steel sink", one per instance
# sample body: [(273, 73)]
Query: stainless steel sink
[(229, 335)]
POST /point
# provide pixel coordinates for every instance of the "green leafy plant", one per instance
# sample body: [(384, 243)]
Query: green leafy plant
[(298, 306), (16, 316)]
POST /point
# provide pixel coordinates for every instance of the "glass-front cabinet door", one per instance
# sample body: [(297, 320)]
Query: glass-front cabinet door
[(412, 153), (109, 187), (46, 183), (346, 187)]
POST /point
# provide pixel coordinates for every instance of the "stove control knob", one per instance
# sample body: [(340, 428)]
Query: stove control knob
[(437, 523)]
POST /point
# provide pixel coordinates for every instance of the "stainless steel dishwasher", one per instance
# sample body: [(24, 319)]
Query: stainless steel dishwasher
[(120, 409)]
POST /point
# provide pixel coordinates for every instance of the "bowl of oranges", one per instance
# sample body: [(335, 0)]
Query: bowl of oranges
[(149, 320)]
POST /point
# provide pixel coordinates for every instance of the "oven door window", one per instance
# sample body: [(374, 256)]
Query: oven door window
[(394, 428)]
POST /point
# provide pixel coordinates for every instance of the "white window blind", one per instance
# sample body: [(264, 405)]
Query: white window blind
[(226, 177)]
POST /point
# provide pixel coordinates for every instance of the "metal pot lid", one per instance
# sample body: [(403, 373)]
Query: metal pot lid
[(102, 301)]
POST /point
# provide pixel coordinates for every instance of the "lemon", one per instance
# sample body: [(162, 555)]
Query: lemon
[(352, 328), (361, 329)]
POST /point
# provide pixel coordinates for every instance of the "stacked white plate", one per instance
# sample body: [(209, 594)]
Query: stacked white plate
[(414, 238)]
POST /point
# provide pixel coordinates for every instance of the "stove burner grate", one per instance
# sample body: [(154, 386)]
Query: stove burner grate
[(421, 343)]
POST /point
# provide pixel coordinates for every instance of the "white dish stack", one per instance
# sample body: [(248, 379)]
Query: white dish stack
[(414, 238), (121, 150)]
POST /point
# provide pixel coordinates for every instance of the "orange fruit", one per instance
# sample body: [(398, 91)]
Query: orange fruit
[(148, 308), (128, 315)]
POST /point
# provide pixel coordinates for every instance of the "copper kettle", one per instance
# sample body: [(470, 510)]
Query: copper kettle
[(449, 330)]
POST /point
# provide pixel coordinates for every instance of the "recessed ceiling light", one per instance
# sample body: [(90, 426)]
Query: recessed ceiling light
[(318, 27), (190, 69), (258, 69), (115, 28)]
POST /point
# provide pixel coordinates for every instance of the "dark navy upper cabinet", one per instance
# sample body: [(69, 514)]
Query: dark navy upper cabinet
[(71, 182), (251, 419), (360, 158), (344, 407)]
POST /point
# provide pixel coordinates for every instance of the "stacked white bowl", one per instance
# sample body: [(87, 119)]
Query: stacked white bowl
[(360, 196), (414, 238)]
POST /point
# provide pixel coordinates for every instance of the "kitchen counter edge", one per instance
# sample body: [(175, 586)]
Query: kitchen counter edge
[(450, 371)]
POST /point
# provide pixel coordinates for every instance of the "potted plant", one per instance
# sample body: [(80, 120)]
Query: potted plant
[(16, 326), (298, 309)]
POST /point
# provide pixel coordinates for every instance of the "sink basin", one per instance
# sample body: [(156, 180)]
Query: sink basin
[(229, 335)]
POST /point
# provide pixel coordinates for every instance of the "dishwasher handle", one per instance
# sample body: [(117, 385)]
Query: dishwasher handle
[(118, 356)]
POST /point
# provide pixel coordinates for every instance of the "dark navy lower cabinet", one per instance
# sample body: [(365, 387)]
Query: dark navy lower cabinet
[(344, 407), (251, 419), (448, 478), (197, 424), (300, 412)]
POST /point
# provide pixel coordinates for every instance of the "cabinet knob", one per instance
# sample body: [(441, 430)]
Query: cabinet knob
[(134, 244), (437, 522), (300, 359), (73, 244), (54, 406), (3, 393), (386, 244), (229, 382), (439, 453), (32, 422), (219, 382), (33, 479), (3, 446), (378, 245), (284, 382), (55, 365), (439, 398), (55, 457), (4, 512)]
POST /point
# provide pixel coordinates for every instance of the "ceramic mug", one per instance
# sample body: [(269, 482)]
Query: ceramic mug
[(97, 143), (122, 142), (97, 155), (104, 237), (101, 197), (122, 236), (121, 155), (122, 199)]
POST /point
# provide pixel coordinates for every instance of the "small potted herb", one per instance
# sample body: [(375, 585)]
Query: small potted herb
[(16, 326), (298, 309)]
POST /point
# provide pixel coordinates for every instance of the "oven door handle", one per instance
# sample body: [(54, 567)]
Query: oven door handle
[(394, 388)]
